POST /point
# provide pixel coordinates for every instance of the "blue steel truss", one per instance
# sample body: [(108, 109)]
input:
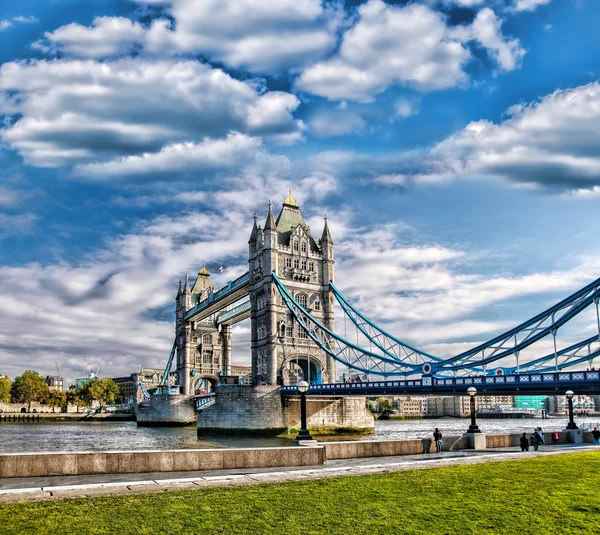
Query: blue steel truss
[(165, 378), (399, 359), (342, 350), (389, 344)]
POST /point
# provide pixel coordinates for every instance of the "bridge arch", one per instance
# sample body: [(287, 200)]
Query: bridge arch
[(204, 383)]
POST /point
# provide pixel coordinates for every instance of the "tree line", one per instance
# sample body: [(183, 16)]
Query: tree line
[(31, 387)]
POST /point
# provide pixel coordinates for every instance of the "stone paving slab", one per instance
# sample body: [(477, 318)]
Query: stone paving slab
[(81, 487)]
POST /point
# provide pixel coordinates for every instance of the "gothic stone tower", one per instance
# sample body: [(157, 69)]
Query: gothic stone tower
[(202, 350), (282, 353)]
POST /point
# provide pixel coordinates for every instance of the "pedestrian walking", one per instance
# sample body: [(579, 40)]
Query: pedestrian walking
[(596, 435), (524, 442), (541, 433), (536, 440), (437, 436)]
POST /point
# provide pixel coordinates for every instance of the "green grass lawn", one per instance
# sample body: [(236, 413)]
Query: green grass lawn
[(548, 495)]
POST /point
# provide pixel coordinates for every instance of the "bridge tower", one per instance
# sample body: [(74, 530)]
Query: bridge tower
[(200, 345), (282, 353)]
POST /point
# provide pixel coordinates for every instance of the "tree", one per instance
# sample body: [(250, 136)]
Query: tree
[(28, 388), (104, 391), (111, 391), (73, 398), (5, 385), (56, 398), (384, 404)]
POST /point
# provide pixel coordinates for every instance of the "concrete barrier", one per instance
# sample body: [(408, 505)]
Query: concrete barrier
[(122, 462), (130, 462)]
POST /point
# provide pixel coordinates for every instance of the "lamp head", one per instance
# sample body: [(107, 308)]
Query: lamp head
[(570, 394), (302, 387), (472, 391)]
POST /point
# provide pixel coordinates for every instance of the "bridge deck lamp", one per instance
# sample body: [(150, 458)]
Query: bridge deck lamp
[(571, 424), (303, 434), (472, 391)]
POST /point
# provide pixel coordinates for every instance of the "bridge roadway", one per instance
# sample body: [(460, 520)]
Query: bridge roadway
[(556, 383), (230, 293)]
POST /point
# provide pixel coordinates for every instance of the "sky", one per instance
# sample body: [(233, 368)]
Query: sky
[(453, 145)]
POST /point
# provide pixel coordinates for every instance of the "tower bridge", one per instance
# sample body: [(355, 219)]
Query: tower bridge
[(290, 297)]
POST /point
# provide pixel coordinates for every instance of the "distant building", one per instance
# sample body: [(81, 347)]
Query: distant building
[(80, 383), (244, 373), (129, 385), (491, 403), (55, 382), (537, 403)]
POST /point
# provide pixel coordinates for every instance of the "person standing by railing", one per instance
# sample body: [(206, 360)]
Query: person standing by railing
[(437, 436)]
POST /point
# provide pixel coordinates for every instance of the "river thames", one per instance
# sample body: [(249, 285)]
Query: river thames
[(108, 436)]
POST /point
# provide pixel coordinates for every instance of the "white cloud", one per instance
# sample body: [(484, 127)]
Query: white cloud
[(210, 155), (410, 45), (389, 45), (8, 197), (486, 30), (406, 107), (5, 25), (258, 36), (550, 143), (107, 37), (529, 5), (26, 20), (75, 111), (13, 224), (330, 123)]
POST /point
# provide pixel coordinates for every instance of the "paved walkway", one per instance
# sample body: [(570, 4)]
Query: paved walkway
[(57, 487)]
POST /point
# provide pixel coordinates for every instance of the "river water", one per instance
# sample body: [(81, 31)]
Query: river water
[(109, 436)]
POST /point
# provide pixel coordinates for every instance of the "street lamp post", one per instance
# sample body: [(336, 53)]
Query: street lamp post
[(472, 391), (571, 424), (303, 434)]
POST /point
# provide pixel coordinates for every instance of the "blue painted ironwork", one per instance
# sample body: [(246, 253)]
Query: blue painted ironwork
[(145, 393), (389, 344), (537, 383), (165, 378), (342, 350), (531, 331), (204, 400), (221, 293), (228, 315), (398, 359)]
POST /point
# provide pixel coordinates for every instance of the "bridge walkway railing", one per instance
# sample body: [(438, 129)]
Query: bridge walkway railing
[(587, 381)]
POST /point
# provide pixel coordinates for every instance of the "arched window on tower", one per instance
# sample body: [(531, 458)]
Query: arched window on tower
[(296, 263), (311, 266), (288, 262), (317, 305), (302, 300), (295, 245), (303, 246), (207, 339)]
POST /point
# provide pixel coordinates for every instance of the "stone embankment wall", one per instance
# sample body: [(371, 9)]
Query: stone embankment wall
[(121, 462), (55, 464)]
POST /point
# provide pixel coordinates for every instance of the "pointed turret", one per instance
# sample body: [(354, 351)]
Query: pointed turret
[(178, 291), (270, 224), (326, 237), (186, 287), (254, 234)]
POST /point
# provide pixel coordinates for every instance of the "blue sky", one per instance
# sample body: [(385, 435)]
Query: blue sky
[(453, 144)]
